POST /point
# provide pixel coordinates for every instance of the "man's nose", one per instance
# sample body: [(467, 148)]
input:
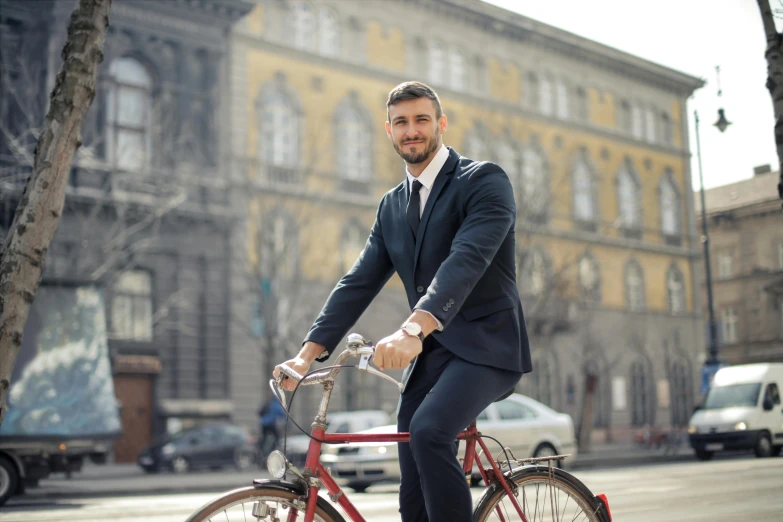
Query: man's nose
[(411, 132)]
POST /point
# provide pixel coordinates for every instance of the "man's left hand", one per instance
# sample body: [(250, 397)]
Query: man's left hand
[(396, 351)]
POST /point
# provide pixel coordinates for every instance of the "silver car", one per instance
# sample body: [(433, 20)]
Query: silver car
[(527, 427)]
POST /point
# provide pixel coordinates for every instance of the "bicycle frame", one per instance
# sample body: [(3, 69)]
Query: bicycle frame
[(316, 473), (314, 468)]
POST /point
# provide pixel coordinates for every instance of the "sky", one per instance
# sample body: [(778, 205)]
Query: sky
[(691, 36)]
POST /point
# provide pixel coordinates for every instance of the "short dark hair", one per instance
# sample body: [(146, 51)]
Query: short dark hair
[(413, 91)]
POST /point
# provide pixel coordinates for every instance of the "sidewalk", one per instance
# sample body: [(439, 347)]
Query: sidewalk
[(623, 455), (129, 479)]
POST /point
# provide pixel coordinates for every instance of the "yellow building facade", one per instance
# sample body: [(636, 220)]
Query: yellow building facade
[(594, 141)]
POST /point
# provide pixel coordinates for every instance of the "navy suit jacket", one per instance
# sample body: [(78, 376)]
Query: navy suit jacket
[(460, 268)]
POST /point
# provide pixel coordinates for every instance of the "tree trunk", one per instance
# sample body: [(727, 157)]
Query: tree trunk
[(586, 422), (774, 56), (36, 217)]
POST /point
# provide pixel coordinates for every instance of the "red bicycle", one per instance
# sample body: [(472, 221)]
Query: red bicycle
[(527, 490)]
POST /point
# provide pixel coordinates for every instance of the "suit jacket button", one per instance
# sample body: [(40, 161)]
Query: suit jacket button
[(445, 308), (451, 301), (420, 289)]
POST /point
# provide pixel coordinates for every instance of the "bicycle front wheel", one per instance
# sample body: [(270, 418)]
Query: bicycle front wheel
[(543, 497), (270, 501)]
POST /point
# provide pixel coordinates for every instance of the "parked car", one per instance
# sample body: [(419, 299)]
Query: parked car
[(525, 426), (208, 445), (338, 422), (742, 411)]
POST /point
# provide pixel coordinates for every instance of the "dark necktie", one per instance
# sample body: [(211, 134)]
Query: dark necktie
[(414, 202)]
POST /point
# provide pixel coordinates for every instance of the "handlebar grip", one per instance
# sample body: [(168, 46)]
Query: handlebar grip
[(290, 372)]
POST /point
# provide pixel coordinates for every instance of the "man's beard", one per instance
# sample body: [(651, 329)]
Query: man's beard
[(414, 158)]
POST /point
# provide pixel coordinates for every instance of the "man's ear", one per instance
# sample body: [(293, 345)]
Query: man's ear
[(388, 130), (443, 123)]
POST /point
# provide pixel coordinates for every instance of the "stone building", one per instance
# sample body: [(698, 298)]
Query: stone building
[(147, 216), (594, 140), (746, 254)]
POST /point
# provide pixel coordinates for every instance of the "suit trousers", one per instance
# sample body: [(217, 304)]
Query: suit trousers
[(443, 395)]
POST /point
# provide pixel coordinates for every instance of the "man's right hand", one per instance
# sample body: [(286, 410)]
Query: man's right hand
[(300, 364)]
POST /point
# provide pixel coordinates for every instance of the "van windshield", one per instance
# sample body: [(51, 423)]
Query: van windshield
[(732, 396)]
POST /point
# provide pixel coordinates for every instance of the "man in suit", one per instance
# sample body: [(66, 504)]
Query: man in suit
[(448, 231)]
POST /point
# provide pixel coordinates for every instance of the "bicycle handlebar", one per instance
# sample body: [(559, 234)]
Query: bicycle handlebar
[(356, 346)]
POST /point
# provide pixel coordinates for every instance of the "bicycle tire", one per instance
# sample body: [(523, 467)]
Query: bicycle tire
[(587, 506), (273, 493)]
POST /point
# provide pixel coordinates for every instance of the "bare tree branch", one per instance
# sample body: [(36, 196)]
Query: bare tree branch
[(36, 219)]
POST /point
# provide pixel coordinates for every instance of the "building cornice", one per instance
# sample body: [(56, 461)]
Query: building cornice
[(515, 26)]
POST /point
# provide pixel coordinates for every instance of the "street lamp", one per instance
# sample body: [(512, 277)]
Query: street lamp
[(712, 363), (722, 122)]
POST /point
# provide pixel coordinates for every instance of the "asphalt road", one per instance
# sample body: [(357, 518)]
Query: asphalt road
[(745, 489)]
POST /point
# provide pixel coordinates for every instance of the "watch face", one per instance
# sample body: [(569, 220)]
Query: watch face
[(412, 328)]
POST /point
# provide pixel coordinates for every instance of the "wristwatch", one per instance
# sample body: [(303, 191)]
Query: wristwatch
[(413, 329)]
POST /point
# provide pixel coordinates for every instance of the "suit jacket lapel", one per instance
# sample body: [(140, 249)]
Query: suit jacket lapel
[(440, 181)]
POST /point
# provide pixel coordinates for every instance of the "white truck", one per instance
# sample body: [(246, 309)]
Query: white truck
[(61, 405), (742, 411)]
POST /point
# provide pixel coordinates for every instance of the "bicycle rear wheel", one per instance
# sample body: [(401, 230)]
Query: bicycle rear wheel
[(270, 501), (543, 497)]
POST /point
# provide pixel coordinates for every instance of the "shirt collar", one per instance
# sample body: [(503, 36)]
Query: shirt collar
[(427, 177)]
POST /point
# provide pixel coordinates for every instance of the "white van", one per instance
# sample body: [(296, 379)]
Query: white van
[(742, 411)]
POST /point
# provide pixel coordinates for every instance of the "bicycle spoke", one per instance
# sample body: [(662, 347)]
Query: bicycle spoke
[(555, 501)]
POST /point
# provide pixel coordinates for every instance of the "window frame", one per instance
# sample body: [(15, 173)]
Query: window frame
[(114, 127), (134, 299)]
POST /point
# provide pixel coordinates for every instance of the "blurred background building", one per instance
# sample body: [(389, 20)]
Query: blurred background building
[(594, 140), (235, 155), (747, 266), (146, 215)]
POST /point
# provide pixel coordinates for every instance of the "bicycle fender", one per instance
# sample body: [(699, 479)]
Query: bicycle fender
[(282, 485)]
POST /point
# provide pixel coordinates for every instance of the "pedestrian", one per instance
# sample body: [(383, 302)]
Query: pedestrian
[(448, 231), (270, 416)]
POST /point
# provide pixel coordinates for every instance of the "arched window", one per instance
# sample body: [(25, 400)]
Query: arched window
[(681, 391), (278, 131), (634, 287), (535, 185), (585, 208), (530, 93), (278, 246), (474, 145), (641, 399), (354, 148), (509, 161), (563, 103), (328, 33), (457, 69), (437, 63), (128, 115), (589, 279), (602, 398), (546, 101), (629, 196), (675, 288), (353, 240), (637, 121), (670, 207), (650, 125), (304, 26), (533, 272)]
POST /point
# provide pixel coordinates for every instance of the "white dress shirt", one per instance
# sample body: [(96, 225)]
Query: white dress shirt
[(427, 179), (428, 175)]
